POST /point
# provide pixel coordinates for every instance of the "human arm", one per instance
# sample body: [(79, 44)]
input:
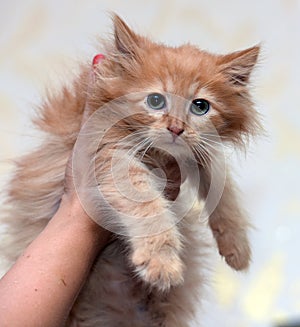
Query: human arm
[(41, 287)]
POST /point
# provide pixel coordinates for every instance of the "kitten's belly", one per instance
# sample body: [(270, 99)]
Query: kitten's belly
[(113, 297)]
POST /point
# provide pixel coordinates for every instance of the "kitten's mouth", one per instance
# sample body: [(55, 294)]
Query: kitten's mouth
[(175, 140), (175, 146), (175, 143), (172, 143)]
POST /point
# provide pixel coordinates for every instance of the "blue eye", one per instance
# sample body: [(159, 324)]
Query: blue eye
[(199, 107), (156, 101)]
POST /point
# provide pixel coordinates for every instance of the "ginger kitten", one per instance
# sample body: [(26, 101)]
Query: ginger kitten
[(162, 114)]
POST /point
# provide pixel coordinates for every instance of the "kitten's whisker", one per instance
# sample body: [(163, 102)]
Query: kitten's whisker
[(139, 135), (136, 148), (211, 152), (211, 140), (207, 154), (144, 141), (201, 153), (218, 137), (127, 141), (216, 146), (147, 148)]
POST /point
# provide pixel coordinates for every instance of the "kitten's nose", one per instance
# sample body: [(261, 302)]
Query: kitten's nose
[(175, 130)]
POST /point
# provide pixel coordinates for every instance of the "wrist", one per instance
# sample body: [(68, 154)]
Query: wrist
[(72, 204), (72, 215)]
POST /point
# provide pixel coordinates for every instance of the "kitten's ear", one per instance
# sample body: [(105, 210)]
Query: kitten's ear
[(237, 66), (126, 41)]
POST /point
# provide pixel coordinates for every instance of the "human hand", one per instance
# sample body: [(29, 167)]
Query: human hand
[(79, 188)]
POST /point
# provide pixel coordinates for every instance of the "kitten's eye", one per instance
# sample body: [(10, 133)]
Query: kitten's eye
[(156, 101), (199, 107)]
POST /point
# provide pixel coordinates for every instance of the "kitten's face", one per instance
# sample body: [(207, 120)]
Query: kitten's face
[(188, 96), (175, 122)]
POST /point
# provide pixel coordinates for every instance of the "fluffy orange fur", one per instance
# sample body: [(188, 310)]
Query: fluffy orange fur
[(152, 280)]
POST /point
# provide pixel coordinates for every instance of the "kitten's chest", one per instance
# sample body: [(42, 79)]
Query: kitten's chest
[(167, 170)]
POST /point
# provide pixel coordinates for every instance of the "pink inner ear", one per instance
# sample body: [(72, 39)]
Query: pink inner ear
[(99, 57)]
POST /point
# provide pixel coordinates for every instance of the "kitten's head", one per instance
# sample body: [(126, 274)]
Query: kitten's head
[(185, 94)]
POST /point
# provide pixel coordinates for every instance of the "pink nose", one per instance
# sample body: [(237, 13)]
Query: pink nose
[(175, 130)]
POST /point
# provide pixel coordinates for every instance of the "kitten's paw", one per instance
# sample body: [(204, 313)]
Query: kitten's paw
[(234, 246), (157, 261), (161, 270)]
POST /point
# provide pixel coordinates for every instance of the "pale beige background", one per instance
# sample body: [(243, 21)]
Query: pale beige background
[(39, 41)]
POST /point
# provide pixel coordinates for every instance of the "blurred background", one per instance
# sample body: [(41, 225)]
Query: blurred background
[(40, 43)]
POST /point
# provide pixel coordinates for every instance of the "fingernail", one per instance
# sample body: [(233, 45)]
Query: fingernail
[(99, 57)]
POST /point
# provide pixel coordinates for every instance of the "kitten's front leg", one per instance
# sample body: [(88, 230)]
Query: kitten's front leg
[(157, 261), (147, 221), (229, 225)]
